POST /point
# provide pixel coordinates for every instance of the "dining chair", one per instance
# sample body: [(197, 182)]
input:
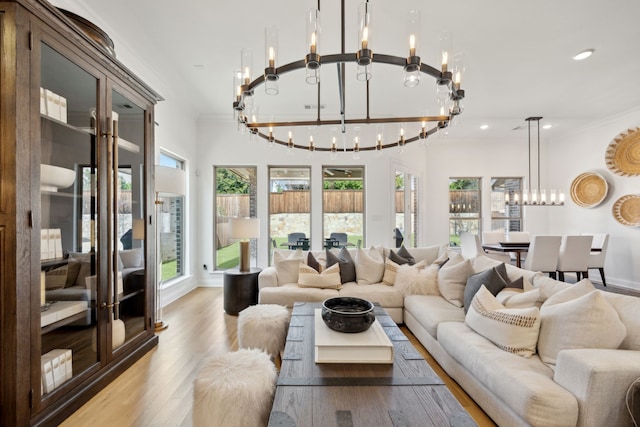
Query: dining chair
[(341, 238), (543, 254), (493, 238), (598, 253), (574, 256), (517, 236), (470, 246), (293, 238)]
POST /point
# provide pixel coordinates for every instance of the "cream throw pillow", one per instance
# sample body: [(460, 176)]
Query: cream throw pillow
[(287, 267), (588, 321), (308, 277), (391, 271), (517, 298), (369, 266), (512, 329), (581, 288), (414, 281), (452, 279)]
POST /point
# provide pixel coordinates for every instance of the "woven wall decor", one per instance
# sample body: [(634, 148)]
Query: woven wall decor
[(589, 189), (623, 153), (626, 210)]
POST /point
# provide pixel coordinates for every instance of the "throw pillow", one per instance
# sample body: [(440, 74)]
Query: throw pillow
[(414, 281), (131, 258), (369, 266), (491, 279), (310, 278), (313, 262), (517, 298), (581, 288), (400, 260), (286, 267), (73, 268), (391, 271), (452, 278), (404, 253), (56, 278), (512, 329), (83, 272), (588, 321), (347, 266)]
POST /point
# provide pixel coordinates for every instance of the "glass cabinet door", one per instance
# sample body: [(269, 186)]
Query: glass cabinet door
[(128, 229), (69, 276)]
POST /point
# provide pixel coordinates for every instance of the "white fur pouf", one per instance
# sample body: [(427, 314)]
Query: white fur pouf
[(263, 326), (234, 389)]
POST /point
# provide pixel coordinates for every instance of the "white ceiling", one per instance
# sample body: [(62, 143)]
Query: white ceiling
[(518, 55)]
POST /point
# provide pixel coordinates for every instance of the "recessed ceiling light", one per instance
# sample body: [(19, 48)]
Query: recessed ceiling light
[(583, 55), (483, 127), (198, 66), (549, 126)]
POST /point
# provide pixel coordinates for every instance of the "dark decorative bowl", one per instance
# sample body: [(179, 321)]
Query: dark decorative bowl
[(347, 314)]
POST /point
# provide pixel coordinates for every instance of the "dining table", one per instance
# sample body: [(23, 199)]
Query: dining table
[(517, 247)]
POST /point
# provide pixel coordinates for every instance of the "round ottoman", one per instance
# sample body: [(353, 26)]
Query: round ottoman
[(234, 389), (263, 326)]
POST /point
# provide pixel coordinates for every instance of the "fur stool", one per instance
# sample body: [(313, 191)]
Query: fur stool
[(234, 389), (263, 326)]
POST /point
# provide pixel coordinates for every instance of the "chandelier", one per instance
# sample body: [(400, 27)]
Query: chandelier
[(447, 77), (536, 196)]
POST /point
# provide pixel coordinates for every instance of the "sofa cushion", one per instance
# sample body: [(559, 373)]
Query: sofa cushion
[(429, 254), (523, 384), (313, 262), (369, 266), (628, 308), (452, 278), (492, 279), (347, 266), (308, 277), (289, 293), (416, 281), (588, 321), (387, 296), (431, 310), (517, 298), (287, 266), (512, 329)]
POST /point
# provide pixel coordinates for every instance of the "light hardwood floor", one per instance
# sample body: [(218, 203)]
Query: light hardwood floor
[(157, 390)]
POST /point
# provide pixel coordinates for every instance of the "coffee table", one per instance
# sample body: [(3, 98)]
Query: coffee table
[(405, 393)]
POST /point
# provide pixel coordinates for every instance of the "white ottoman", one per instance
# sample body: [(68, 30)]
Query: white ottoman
[(263, 326), (234, 389)]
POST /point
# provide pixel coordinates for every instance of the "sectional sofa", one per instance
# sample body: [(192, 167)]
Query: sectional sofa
[(536, 352)]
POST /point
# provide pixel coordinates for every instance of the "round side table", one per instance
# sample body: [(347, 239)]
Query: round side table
[(240, 289)]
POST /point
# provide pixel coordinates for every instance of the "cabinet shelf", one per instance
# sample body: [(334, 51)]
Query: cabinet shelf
[(82, 130)]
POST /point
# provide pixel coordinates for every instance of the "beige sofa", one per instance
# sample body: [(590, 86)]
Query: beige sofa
[(586, 387)]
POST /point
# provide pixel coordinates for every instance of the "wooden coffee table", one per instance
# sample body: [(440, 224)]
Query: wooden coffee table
[(405, 393)]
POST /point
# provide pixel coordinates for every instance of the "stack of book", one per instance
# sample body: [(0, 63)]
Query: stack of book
[(370, 346), (57, 367)]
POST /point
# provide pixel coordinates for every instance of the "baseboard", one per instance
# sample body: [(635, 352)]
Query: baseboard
[(174, 290), (211, 280)]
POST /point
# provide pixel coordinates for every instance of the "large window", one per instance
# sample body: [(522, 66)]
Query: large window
[(464, 208), (171, 223), (505, 216), (235, 198), (290, 206), (406, 209), (343, 203)]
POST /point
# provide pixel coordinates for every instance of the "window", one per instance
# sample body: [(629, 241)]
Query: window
[(289, 205), (235, 198), (406, 209), (171, 223), (505, 217), (343, 202), (464, 208)]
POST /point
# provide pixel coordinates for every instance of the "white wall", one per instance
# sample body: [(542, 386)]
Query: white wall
[(584, 151)]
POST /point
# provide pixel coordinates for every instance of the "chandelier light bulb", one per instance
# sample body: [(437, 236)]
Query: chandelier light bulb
[(412, 45), (365, 38), (312, 48)]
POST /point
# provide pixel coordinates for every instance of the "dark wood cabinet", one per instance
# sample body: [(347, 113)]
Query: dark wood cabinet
[(76, 215)]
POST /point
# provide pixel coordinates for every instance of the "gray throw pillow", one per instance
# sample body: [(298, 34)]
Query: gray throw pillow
[(347, 266), (490, 278), (404, 253), (400, 260), (313, 262)]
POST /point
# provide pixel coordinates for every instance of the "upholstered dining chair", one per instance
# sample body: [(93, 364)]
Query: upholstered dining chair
[(471, 247), (597, 257), (495, 237), (574, 256), (517, 236), (543, 254)]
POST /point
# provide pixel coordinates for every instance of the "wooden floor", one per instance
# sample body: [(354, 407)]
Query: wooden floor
[(157, 390)]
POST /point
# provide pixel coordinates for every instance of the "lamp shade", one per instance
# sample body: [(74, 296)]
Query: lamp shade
[(245, 228), (138, 228), (169, 180)]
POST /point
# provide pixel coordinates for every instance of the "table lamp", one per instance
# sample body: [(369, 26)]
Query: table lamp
[(245, 229)]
